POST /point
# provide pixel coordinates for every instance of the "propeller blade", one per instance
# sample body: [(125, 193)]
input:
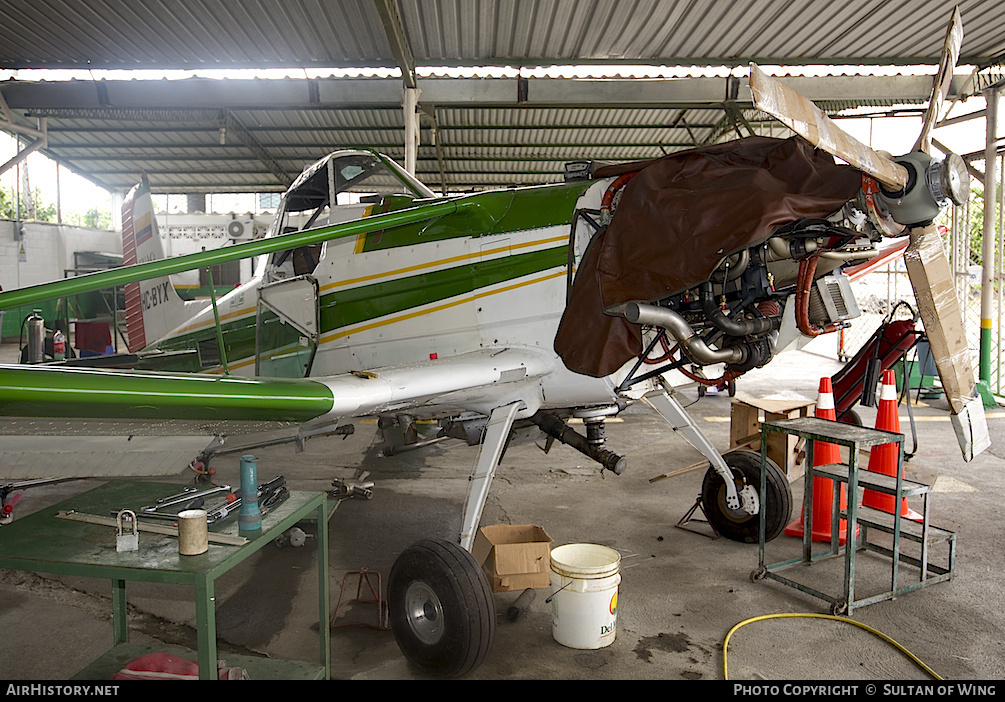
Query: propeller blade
[(942, 82), (932, 279), (933, 282), (807, 120)]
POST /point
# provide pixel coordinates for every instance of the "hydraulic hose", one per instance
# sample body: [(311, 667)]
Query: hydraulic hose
[(608, 200), (804, 284)]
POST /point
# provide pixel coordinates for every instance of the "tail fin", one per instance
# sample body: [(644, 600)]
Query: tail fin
[(153, 308)]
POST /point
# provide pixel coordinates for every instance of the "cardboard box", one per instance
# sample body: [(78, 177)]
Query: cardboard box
[(939, 307), (785, 450), (514, 556)]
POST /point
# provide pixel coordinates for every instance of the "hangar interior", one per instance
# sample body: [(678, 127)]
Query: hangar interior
[(475, 96)]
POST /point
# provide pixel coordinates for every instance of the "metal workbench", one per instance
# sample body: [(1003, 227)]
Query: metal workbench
[(859, 519), (44, 543)]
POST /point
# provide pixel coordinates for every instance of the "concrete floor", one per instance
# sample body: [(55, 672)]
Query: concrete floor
[(681, 592)]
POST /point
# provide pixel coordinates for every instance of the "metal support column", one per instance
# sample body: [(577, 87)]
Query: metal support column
[(410, 103), (988, 247)]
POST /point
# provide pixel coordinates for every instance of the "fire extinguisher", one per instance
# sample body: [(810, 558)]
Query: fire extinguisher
[(35, 348)]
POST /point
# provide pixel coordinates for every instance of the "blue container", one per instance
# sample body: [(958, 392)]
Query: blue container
[(249, 519)]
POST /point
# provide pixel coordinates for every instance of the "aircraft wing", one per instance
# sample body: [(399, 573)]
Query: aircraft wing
[(73, 421)]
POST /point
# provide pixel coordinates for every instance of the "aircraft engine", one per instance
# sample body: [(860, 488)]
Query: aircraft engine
[(734, 317)]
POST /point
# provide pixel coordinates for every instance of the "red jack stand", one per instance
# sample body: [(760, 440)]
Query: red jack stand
[(383, 615)]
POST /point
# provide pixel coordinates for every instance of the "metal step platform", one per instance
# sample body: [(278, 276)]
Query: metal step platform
[(860, 522)]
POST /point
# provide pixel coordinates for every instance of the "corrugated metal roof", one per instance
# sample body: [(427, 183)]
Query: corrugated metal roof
[(200, 135), (695, 31), (232, 33), (223, 135)]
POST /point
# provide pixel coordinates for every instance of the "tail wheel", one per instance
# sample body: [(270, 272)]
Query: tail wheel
[(441, 608), (738, 525)]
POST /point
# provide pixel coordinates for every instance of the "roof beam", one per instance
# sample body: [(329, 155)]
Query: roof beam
[(265, 94), (233, 125), (395, 33), (115, 152)]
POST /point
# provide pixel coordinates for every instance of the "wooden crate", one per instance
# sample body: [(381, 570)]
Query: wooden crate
[(787, 451)]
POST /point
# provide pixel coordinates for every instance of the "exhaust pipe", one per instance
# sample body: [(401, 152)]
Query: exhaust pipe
[(734, 327), (695, 348)]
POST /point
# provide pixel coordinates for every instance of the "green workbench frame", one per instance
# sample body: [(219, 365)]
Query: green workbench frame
[(44, 543)]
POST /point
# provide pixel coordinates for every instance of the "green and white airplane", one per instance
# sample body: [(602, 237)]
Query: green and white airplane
[(371, 296)]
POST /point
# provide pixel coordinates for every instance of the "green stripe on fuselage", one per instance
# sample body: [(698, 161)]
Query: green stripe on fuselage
[(366, 302), (498, 212), (352, 306)]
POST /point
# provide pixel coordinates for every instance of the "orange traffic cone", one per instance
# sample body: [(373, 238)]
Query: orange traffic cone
[(883, 458), (823, 454)]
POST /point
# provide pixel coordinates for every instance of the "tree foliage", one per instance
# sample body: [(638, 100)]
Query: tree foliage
[(975, 224), (46, 212)]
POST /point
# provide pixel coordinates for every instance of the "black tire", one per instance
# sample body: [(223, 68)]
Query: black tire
[(441, 608), (851, 417), (737, 525)]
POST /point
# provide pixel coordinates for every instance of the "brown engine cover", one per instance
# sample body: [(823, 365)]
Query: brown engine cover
[(676, 221)]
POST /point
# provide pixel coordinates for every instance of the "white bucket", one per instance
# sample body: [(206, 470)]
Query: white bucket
[(584, 606)]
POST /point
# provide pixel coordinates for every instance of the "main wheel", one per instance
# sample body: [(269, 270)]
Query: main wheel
[(738, 525), (441, 607)]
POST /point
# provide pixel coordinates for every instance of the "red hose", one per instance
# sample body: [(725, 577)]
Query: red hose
[(726, 377), (612, 190), (804, 284)]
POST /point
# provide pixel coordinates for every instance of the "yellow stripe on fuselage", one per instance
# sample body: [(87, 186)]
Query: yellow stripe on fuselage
[(441, 262), (328, 338), (437, 308), (361, 237), (229, 316)]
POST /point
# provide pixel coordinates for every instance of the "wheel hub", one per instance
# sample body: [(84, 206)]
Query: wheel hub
[(424, 612), (749, 503)]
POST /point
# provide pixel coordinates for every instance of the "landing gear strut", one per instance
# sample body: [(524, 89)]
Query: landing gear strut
[(729, 493)]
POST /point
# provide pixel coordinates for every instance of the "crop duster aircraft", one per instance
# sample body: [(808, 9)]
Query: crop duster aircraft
[(532, 305)]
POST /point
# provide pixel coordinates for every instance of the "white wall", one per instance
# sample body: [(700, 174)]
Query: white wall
[(48, 250)]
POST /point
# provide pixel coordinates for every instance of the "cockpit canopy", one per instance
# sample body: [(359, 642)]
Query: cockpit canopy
[(351, 177), (354, 181)]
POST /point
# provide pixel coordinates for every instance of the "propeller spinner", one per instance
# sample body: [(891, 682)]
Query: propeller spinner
[(913, 189)]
